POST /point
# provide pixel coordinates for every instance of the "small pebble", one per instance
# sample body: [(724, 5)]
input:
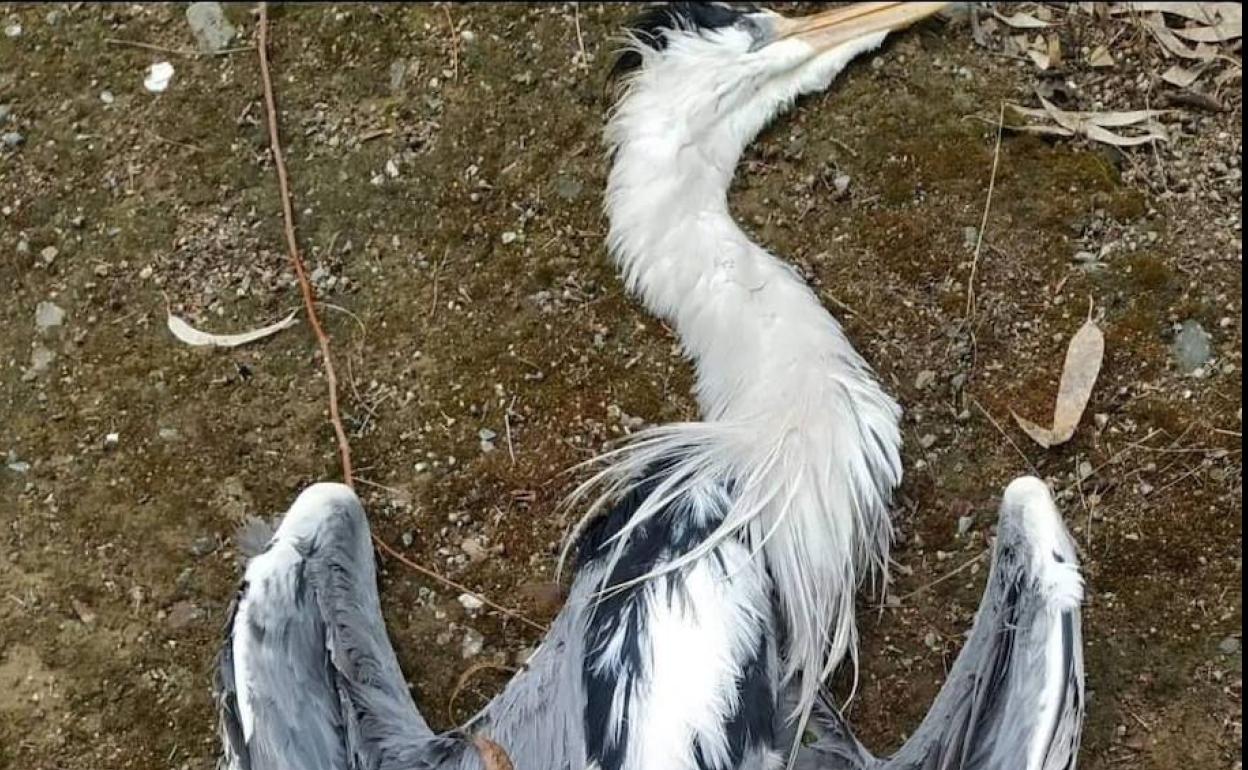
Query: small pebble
[(1229, 646), (473, 643), (470, 602), (925, 378), (12, 139), (111, 440), (48, 315), (1191, 347)]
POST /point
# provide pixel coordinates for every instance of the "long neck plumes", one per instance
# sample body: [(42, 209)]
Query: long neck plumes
[(795, 422)]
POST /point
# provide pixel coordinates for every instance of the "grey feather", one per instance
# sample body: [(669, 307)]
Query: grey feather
[(1014, 697)]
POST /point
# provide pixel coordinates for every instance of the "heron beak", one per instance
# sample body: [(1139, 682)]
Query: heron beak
[(827, 30)]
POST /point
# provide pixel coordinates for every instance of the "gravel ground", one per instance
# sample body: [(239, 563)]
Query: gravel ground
[(447, 173)]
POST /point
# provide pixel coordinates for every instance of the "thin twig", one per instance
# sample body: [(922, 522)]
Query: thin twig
[(389, 551), (446, 9), (956, 571), (845, 147), (173, 51), (437, 270), (507, 424), (296, 261), (1001, 430), (580, 39), (464, 678), (983, 223), (176, 143), (309, 301)]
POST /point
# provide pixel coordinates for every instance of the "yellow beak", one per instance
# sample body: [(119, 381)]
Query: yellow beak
[(830, 29)]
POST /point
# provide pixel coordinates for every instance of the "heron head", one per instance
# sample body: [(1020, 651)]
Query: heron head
[(714, 71)]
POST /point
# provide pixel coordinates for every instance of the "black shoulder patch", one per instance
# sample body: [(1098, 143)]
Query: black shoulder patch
[(651, 26)]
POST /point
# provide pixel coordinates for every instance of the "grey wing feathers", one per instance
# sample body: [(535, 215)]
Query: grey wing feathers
[(1014, 698), (306, 677)]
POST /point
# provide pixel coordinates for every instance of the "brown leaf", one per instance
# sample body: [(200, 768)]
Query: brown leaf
[(1083, 364), (492, 755), (1021, 20), (1180, 76), (1101, 57)]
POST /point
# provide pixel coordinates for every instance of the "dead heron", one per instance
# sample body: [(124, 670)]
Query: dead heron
[(714, 597)]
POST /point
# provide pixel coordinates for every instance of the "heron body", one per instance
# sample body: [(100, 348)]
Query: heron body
[(716, 569)]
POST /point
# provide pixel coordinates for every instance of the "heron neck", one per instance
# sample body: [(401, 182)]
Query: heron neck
[(748, 320)]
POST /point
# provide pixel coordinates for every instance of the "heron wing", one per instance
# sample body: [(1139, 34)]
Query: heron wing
[(1014, 697), (306, 677)]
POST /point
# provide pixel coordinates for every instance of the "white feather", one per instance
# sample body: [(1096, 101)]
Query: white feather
[(795, 419)]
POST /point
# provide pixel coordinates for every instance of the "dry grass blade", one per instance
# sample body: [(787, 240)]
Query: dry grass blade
[(192, 336), (1083, 365)]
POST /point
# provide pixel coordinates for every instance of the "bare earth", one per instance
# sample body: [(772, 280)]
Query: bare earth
[(448, 189)]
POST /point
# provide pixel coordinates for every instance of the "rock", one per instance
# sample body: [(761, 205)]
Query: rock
[(568, 188), (508, 237), (473, 643), (84, 613), (203, 546), (473, 549), (13, 30), (840, 183), (47, 315), (398, 73), (15, 465), (470, 602), (183, 614), (1229, 646), (12, 139), (925, 378), (111, 440), (1191, 347), (212, 31), (927, 441), (48, 254), (40, 359), (964, 525), (158, 77)]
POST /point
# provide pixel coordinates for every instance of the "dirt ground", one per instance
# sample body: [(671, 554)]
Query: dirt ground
[(448, 185)]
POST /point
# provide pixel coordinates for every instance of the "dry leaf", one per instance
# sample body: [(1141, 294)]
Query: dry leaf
[(1095, 125), (192, 336), (492, 755), (1219, 33), (1100, 57), (1206, 13), (1180, 76), (1021, 21), (1172, 44), (1055, 51), (1039, 58), (1083, 364)]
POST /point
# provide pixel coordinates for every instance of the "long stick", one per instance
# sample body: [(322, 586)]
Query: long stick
[(305, 286), (309, 302)]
